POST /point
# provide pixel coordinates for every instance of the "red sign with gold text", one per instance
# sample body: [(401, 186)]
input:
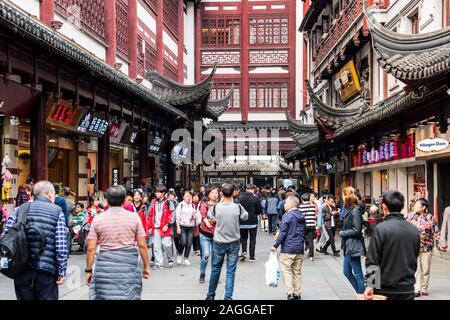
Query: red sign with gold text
[(63, 113)]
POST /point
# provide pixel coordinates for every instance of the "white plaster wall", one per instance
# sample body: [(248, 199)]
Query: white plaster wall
[(299, 83), (222, 71), (82, 38), (172, 45), (189, 42), (30, 6), (430, 16), (146, 17), (230, 117), (124, 63), (268, 70), (359, 181), (266, 116)]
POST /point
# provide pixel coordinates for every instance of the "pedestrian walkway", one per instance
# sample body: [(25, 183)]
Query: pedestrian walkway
[(322, 279)]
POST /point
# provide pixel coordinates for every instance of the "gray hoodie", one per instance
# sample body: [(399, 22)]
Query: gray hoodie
[(227, 215)]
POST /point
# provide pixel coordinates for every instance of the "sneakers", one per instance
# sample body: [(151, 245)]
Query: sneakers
[(425, 293), (180, 259), (252, 259), (186, 262), (325, 253), (202, 278), (197, 253), (336, 254), (209, 297), (311, 258), (171, 264), (297, 297), (417, 294), (243, 256), (291, 296), (156, 267), (320, 250)]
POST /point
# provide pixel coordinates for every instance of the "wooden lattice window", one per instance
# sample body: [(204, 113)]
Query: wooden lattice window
[(150, 58), (152, 4), (140, 56), (122, 27), (170, 15), (221, 89), (221, 31), (87, 14), (268, 95), (170, 71), (269, 31)]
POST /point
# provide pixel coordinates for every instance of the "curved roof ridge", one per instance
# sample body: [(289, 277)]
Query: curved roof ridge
[(298, 127)]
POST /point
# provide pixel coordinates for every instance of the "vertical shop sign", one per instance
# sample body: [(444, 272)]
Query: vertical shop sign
[(115, 176)]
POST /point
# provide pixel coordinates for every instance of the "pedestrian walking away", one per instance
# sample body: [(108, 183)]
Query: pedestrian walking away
[(291, 238), (429, 232), (308, 209), (206, 227), (121, 237), (160, 219), (249, 227), (226, 215), (352, 240), (391, 261), (47, 249), (185, 227), (271, 210)]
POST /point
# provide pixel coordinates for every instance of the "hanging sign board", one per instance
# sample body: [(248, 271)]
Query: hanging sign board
[(93, 124), (115, 176), (131, 136), (432, 145), (116, 132), (63, 114), (347, 81)]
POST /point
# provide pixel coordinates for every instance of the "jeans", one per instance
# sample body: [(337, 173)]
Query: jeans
[(309, 235), (231, 250), (186, 238), (244, 237), (36, 285), (272, 222), (206, 244), (354, 274), (330, 241)]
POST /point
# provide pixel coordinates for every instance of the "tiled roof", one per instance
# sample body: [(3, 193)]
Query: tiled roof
[(224, 125), (218, 107)]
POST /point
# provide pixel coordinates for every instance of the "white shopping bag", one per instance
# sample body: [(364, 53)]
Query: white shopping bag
[(273, 273)]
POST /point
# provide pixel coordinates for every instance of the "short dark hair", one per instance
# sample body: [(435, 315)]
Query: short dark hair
[(116, 196), (228, 189), (187, 191), (251, 186), (138, 191), (66, 191), (57, 188), (130, 193), (393, 200), (92, 199), (423, 202), (328, 197), (80, 204), (305, 197), (29, 181), (161, 188)]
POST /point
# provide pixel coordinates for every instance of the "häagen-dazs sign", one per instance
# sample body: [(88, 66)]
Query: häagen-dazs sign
[(432, 145)]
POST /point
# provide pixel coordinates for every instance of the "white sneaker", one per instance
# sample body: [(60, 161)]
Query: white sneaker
[(186, 262), (179, 259)]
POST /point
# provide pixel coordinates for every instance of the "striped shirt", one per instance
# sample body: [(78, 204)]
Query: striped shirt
[(309, 210), (116, 229)]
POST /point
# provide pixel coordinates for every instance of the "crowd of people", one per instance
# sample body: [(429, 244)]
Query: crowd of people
[(166, 227)]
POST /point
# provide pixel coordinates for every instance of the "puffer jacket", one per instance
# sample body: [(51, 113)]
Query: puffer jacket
[(292, 233), (352, 243)]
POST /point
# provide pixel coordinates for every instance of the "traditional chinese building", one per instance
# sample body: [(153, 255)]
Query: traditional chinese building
[(372, 118)]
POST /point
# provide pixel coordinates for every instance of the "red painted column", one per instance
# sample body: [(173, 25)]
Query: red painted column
[(159, 38), (46, 11), (132, 38), (110, 31), (292, 34), (245, 92), (38, 163), (305, 61), (180, 41), (198, 43)]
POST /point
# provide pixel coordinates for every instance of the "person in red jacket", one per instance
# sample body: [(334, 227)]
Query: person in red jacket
[(139, 208), (160, 219)]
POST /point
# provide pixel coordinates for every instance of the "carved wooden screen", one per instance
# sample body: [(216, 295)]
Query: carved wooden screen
[(268, 95), (150, 58), (221, 89), (269, 31), (170, 71), (122, 27), (86, 14), (170, 15), (221, 31), (140, 56)]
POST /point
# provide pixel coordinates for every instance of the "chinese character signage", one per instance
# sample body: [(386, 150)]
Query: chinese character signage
[(63, 114), (93, 123), (155, 143), (116, 132), (347, 81), (115, 176), (131, 136)]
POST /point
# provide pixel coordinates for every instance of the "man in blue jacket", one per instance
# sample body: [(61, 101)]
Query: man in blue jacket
[(292, 241)]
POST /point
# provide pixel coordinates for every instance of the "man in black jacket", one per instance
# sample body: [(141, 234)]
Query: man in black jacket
[(392, 257), (249, 227)]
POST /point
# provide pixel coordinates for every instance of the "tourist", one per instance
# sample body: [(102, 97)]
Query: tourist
[(429, 232), (272, 212), (121, 238), (139, 207), (352, 240), (185, 227), (59, 201), (263, 217), (392, 255), (329, 215), (226, 215), (24, 193), (291, 238), (308, 209), (79, 219), (207, 229), (196, 243), (249, 227)]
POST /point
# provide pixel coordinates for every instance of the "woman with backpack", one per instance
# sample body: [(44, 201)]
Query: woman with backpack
[(185, 227), (352, 242), (207, 230)]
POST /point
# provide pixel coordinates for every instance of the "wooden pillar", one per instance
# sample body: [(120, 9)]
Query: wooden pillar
[(244, 62), (132, 38), (159, 38), (292, 54), (82, 191), (110, 31), (180, 41), (46, 11), (143, 157), (198, 42), (103, 163), (38, 143)]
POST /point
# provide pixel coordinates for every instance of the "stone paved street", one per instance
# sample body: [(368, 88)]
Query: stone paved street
[(322, 280)]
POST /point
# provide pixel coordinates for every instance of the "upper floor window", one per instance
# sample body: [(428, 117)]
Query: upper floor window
[(414, 23), (220, 89), (269, 31), (170, 15), (268, 95), (221, 31)]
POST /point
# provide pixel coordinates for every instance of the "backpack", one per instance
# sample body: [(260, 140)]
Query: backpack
[(272, 204), (14, 245)]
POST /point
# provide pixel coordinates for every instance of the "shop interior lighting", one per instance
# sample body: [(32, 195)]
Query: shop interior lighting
[(2, 102)]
